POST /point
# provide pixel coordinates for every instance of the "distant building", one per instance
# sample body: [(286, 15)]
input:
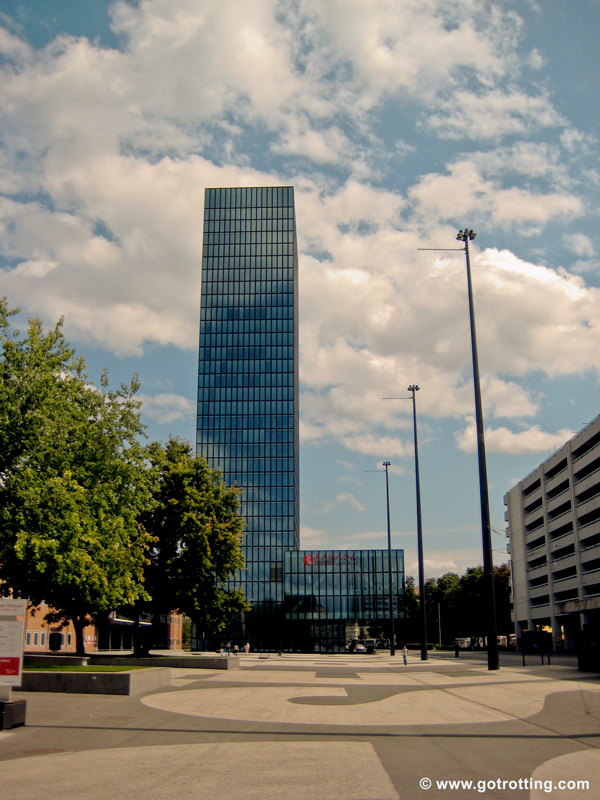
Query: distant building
[(248, 381), (328, 594), (115, 632), (553, 518), (248, 427)]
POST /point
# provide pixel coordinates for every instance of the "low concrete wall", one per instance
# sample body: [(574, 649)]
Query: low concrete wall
[(181, 662), (49, 660), (129, 683)]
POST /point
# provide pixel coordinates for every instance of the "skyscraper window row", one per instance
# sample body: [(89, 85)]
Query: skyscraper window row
[(246, 326), (228, 230), (227, 312), (250, 339), (277, 352), (250, 379), (277, 293), (223, 393), (251, 276)]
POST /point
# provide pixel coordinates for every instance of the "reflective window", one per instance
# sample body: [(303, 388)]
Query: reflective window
[(336, 585)]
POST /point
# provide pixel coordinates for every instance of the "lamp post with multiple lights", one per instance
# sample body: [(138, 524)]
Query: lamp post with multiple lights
[(387, 464), (466, 236), (423, 612), (414, 388)]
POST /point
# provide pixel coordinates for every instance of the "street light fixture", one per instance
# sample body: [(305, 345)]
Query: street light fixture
[(387, 464), (466, 236), (423, 611)]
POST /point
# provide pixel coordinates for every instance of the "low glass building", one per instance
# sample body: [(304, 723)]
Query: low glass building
[(329, 594)]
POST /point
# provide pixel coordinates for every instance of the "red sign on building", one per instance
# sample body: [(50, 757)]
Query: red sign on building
[(329, 558)]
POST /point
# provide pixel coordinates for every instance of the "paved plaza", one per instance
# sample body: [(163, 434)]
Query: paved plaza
[(317, 727)]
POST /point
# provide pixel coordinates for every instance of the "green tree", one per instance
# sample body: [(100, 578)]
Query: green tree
[(502, 588), (470, 602), (441, 596), (408, 629), (197, 534), (73, 481)]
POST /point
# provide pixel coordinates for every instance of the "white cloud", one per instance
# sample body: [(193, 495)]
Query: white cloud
[(113, 149), (493, 115), (535, 59), (344, 498), (313, 539), (456, 560), (503, 440), (575, 141), (464, 186), (579, 243), (166, 407)]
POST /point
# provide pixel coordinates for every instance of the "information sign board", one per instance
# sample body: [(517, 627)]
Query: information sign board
[(11, 652), (9, 607)]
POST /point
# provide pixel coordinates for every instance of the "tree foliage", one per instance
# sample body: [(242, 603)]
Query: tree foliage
[(458, 603), (197, 534), (73, 480)]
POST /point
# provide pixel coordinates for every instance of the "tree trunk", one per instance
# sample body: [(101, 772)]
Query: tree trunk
[(79, 624), (141, 644), (156, 628)]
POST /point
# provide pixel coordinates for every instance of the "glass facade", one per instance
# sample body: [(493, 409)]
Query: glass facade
[(326, 591), (248, 380)]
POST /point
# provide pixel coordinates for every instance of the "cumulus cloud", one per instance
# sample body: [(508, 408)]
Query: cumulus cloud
[(466, 186), (579, 243), (344, 498), (107, 152), (493, 115), (456, 560), (166, 407), (503, 440)]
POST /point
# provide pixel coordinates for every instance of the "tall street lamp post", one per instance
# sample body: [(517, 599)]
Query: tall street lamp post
[(467, 236), (414, 388), (423, 611), (386, 464), (486, 531)]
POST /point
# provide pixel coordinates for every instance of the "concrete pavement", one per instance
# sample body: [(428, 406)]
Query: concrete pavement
[(347, 727)]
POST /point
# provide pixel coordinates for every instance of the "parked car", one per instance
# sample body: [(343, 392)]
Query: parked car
[(360, 648)]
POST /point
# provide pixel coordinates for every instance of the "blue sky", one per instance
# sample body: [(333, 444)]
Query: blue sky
[(398, 123)]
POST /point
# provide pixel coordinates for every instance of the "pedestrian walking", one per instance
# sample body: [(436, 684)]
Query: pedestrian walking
[(405, 654), (236, 650), (456, 649), (246, 648), (228, 648)]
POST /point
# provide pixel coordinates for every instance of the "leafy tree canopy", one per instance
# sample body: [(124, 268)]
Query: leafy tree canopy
[(197, 534), (73, 480), (457, 602)]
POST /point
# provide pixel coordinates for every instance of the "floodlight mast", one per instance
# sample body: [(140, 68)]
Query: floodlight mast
[(466, 236), (421, 562), (387, 464), (423, 611)]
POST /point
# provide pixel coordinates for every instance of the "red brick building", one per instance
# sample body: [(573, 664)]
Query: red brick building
[(115, 633)]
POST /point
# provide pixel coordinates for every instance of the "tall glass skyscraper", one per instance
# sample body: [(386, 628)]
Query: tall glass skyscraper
[(248, 381)]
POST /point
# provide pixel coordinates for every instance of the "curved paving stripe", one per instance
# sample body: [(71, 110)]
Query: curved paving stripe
[(273, 704), (254, 771), (582, 765), (517, 699)]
